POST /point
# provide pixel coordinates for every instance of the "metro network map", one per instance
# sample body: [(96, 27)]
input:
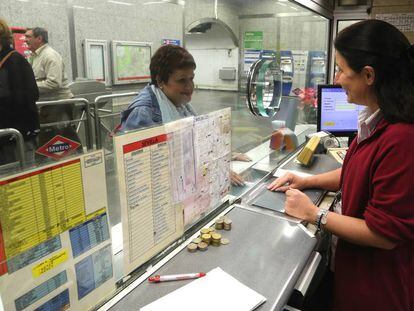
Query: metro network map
[(133, 62)]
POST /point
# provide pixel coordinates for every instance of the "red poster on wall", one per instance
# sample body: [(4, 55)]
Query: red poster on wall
[(19, 41), (19, 44)]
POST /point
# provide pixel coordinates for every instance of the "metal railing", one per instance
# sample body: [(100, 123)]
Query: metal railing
[(86, 116), (19, 142), (98, 124), (89, 111)]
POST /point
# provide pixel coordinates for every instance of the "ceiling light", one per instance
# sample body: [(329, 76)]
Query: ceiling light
[(119, 2)]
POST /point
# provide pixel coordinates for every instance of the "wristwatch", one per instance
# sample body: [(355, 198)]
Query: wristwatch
[(321, 218)]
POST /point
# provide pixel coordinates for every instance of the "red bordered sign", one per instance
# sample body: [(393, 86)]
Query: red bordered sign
[(58, 147)]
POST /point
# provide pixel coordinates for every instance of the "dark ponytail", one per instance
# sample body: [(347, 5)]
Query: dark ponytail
[(380, 45)]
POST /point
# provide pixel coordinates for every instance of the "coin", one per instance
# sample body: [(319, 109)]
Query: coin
[(225, 241), (219, 224), (211, 229), (206, 238), (192, 247), (204, 231), (227, 221), (216, 236), (202, 246), (227, 224), (196, 240)]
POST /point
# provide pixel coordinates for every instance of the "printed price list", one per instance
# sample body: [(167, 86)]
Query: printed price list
[(37, 206)]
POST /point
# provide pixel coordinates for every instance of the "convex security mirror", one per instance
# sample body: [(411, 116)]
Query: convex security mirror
[(264, 87)]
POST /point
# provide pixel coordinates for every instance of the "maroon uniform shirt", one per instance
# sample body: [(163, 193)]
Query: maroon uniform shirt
[(378, 185)]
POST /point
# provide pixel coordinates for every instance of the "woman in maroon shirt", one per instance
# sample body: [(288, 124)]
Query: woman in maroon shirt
[(374, 258)]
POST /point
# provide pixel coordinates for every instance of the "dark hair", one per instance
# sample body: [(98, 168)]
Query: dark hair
[(5, 34), (167, 59), (382, 46), (40, 32)]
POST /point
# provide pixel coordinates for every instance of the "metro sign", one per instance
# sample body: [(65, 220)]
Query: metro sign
[(58, 147)]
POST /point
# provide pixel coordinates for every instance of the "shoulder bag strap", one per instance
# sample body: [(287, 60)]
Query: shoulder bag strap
[(6, 57)]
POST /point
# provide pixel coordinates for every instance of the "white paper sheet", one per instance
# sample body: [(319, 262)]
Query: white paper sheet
[(229, 294)]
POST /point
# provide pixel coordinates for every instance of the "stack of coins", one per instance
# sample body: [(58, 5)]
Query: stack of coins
[(219, 224), (202, 246), (227, 224), (216, 239), (209, 236), (192, 247), (206, 238)]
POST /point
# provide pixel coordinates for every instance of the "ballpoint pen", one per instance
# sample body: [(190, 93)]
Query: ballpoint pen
[(175, 277)]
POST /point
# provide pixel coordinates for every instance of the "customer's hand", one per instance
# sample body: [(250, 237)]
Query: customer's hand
[(287, 181), (236, 179), (240, 157), (300, 206)]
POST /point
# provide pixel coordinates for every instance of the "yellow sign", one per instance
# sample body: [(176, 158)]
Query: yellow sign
[(50, 263), (37, 206), (96, 214)]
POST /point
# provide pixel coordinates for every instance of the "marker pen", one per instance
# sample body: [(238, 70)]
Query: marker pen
[(175, 277)]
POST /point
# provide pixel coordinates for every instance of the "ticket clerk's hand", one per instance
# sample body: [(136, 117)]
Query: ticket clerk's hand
[(299, 205), (288, 180)]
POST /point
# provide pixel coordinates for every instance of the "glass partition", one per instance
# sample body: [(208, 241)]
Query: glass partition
[(225, 37)]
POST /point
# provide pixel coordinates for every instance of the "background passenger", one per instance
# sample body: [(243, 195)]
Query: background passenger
[(18, 95), (374, 257), (52, 82)]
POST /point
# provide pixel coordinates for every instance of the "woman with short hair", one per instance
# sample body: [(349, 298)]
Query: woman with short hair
[(167, 98)]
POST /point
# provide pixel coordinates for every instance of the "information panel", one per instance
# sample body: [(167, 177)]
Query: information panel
[(130, 62), (40, 204), (150, 220), (163, 171), (55, 239)]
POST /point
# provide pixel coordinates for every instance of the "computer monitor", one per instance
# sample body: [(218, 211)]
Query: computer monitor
[(335, 114)]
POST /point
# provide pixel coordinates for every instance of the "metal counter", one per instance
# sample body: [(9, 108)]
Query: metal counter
[(266, 253)]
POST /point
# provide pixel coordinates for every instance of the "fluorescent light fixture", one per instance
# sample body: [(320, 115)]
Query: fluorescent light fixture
[(293, 14), (119, 2), (82, 7), (179, 2)]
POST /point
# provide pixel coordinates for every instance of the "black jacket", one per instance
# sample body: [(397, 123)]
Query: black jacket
[(18, 94)]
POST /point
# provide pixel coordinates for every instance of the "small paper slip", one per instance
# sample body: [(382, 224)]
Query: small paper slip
[(229, 294)]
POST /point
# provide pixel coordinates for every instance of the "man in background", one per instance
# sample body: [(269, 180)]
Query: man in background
[(49, 71)]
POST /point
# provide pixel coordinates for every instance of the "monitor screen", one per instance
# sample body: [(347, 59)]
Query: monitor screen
[(335, 114)]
